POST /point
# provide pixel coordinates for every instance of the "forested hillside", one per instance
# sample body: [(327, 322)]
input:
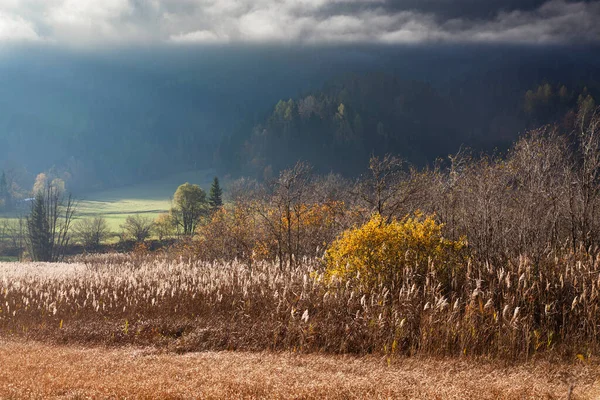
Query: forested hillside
[(119, 118), (130, 117), (350, 118)]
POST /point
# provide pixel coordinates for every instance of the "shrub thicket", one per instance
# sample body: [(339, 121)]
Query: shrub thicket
[(379, 252)]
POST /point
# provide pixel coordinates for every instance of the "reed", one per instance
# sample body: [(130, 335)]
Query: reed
[(509, 311)]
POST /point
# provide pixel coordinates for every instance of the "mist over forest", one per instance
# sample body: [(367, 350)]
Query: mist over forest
[(133, 115), (108, 96)]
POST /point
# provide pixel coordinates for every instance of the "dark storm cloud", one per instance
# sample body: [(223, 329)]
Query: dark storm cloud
[(92, 22), (469, 9)]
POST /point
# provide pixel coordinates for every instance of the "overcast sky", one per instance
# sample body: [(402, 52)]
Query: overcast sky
[(97, 23)]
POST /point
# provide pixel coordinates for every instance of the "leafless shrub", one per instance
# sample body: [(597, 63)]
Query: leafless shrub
[(138, 227), (91, 232)]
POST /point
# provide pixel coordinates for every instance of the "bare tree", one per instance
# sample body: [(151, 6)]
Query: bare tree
[(585, 188), (49, 224), (540, 163), (383, 191), (281, 205), (4, 226), (138, 227), (91, 232), (15, 230)]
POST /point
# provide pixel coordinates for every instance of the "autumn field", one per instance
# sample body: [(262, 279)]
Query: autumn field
[(37, 370), (160, 325)]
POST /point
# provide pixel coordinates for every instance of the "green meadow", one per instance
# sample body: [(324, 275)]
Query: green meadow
[(149, 199)]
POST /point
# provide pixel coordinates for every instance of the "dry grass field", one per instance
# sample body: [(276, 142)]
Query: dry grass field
[(189, 305), (161, 326), (36, 370)]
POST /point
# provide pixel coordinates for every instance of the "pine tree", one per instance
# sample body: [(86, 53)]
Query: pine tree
[(215, 198)]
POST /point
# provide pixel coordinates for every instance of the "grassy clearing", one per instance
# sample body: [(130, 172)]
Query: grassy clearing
[(150, 199), (38, 370)]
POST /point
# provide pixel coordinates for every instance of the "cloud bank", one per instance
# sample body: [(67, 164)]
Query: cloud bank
[(111, 22)]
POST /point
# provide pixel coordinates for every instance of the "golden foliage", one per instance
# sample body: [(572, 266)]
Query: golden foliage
[(239, 231), (379, 251), (230, 233)]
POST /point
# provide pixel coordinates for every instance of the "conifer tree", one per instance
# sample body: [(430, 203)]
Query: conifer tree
[(215, 198), (38, 230), (48, 225)]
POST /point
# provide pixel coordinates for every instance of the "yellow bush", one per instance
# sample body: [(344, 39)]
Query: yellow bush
[(381, 251)]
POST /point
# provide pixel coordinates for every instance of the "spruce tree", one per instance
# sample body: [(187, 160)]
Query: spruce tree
[(215, 198)]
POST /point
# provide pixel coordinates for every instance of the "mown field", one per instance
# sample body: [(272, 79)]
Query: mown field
[(37, 370)]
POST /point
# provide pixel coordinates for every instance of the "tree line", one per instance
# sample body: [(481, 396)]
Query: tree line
[(539, 199), (51, 225), (350, 118), (334, 128)]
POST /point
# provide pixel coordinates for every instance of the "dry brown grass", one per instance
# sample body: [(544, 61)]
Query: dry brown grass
[(510, 313), (37, 370)]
